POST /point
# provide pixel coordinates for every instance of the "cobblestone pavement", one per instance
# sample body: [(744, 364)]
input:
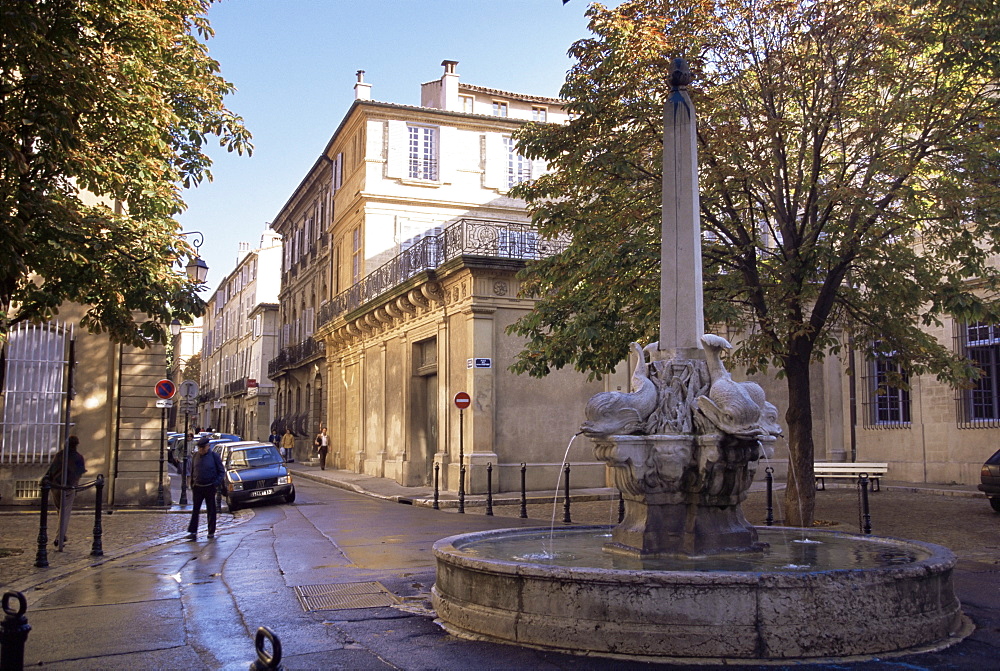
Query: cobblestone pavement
[(122, 531)]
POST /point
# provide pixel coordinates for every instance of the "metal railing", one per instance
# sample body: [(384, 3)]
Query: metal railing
[(290, 357), (466, 237)]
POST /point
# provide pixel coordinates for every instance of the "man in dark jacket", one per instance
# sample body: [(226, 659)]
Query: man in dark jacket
[(207, 474), (64, 497)]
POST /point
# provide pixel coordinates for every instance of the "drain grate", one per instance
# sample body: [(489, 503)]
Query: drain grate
[(344, 596)]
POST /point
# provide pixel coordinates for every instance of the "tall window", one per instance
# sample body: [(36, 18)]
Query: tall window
[(467, 103), (499, 108), (980, 405), (356, 255), (518, 167), (423, 163), (539, 114), (33, 392), (887, 401)]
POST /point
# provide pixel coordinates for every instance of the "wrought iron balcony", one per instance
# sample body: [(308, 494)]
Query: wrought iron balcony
[(235, 387), (466, 237), (290, 357)]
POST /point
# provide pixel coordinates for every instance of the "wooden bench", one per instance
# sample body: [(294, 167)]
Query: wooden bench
[(849, 470)]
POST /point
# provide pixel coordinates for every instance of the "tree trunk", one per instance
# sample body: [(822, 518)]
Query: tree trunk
[(800, 494)]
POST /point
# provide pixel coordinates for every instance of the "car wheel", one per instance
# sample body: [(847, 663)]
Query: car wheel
[(290, 497), (995, 502), (232, 505)]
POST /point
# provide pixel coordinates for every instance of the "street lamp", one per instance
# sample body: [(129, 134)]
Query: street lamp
[(175, 327), (197, 269)]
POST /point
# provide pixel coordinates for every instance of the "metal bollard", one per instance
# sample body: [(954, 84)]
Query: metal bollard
[(524, 492), (489, 489), (866, 518), (769, 479), (437, 469), (265, 661), (566, 518), (621, 508), (42, 556), (461, 489), (97, 549), (13, 633)]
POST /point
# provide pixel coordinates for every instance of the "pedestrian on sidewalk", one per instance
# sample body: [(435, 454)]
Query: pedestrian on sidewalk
[(64, 498), (322, 444), (207, 474), (288, 445)]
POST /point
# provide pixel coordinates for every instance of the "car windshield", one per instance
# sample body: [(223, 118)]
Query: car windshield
[(254, 457), (995, 459)]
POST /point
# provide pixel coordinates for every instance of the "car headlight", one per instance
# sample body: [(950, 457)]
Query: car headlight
[(285, 480), (235, 486)]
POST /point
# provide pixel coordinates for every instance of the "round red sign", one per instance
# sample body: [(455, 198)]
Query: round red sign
[(165, 389), (462, 400)]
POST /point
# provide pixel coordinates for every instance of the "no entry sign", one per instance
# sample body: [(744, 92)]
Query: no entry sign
[(462, 400), (165, 389)]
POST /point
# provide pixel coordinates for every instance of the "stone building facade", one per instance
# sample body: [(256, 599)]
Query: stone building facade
[(240, 338), (399, 278)]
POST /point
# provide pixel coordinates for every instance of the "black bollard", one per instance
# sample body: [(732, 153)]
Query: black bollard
[(265, 661), (566, 518), (769, 478), (13, 632), (461, 489), (866, 518), (489, 489), (621, 508), (524, 492), (97, 550), (42, 556), (437, 469)]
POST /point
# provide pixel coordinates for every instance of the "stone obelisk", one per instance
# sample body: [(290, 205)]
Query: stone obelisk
[(682, 321)]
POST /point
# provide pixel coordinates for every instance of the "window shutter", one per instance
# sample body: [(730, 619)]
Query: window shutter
[(448, 153), (338, 172), (494, 177), (398, 150)]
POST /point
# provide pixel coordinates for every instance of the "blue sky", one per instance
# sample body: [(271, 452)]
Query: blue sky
[(294, 63)]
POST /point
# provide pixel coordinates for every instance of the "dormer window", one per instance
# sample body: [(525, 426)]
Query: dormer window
[(499, 108), (539, 114), (467, 103)]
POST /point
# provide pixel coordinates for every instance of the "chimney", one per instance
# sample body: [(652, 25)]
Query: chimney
[(362, 90), (449, 87)]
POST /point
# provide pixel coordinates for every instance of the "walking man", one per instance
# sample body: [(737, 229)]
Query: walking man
[(64, 497), (207, 474), (322, 443), (288, 445)]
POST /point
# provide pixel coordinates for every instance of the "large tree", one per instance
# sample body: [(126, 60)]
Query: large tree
[(849, 188), (105, 108)]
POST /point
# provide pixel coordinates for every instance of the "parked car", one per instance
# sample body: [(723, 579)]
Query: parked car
[(255, 471), (990, 476)]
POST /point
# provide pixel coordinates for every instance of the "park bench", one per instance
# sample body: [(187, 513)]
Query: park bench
[(849, 470)]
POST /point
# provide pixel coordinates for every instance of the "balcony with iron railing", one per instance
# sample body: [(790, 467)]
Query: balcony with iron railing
[(235, 388), (290, 357), (465, 237)]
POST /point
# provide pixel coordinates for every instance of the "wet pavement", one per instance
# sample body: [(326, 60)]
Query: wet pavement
[(155, 600)]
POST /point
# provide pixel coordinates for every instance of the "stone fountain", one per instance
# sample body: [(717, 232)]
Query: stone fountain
[(684, 575)]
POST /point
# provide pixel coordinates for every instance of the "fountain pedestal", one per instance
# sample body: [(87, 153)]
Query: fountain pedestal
[(682, 493)]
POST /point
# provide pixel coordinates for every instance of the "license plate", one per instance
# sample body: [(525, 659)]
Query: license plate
[(262, 492)]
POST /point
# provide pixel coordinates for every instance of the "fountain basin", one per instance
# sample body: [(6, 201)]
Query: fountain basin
[(898, 597)]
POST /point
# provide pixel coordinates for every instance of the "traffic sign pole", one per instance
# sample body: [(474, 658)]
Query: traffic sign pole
[(462, 401)]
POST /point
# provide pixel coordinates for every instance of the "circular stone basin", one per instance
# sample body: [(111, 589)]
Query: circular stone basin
[(810, 594)]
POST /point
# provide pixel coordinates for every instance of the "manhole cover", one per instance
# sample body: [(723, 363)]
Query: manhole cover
[(344, 596)]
